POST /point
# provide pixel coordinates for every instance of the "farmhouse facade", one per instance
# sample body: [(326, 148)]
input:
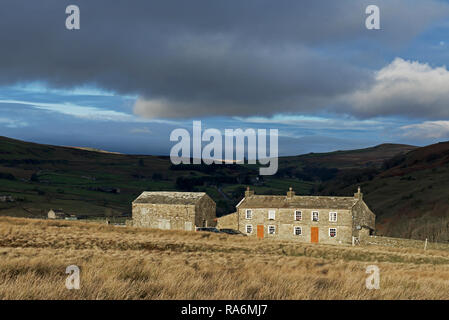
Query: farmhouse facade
[(316, 219), (174, 210)]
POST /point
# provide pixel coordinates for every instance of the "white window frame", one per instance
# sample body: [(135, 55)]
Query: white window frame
[(250, 214), (294, 231), (300, 215), (246, 228), (330, 232), (331, 215), (271, 226), (270, 212), (317, 215)]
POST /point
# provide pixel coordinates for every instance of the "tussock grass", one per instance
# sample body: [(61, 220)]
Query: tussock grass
[(131, 263)]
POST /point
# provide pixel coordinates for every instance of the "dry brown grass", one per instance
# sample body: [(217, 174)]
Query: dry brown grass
[(129, 263)]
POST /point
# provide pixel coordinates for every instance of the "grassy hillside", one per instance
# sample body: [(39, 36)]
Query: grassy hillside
[(407, 187), (131, 263), (351, 159), (409, 193), (97, 184)]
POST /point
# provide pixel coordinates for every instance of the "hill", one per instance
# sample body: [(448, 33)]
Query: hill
[(409, 193), (133, 263), (407, 187), (352, 159), (98, 184)]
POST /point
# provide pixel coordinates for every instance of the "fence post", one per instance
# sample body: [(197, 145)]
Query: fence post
[(425, 245)]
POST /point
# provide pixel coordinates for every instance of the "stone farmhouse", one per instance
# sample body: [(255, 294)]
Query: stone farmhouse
[(316, 219), (174, 210)]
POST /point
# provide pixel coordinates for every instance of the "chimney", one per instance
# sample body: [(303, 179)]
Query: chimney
[(248, 192), (290, 193), (359, 194)]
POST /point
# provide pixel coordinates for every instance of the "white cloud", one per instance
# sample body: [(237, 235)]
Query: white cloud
[(12, 123), (85, 112), (317, 122), (141, 130), (407, 88), (427, 130)]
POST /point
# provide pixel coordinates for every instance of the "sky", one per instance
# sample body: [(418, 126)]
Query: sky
[(137, 70)]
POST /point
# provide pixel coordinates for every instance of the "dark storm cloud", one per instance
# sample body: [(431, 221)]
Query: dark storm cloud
[(202, 57)]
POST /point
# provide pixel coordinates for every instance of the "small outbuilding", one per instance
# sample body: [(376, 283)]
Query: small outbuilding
[(57, 214), (174, 210)]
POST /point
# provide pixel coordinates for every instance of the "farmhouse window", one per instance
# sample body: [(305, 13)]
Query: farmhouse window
[(298, 215), (249, 228), (333, 216), (314, 215), (332, 232), (249, 214), (298, 231), (271, 229), (271, 214)]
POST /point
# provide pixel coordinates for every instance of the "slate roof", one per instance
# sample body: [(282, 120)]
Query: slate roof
[(305, 202), (168, 197)]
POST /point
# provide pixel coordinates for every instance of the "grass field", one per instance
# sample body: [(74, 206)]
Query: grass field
[(130, 263)]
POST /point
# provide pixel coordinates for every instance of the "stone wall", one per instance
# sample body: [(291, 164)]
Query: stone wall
[(284, 223), (175, 216), (229, 221), (363, 217), (401, 243), (161, 216), (205, 212)]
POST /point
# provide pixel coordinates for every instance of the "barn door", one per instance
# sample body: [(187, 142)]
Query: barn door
[(314, 235), (188, 226), (260, 232), (164, 224)]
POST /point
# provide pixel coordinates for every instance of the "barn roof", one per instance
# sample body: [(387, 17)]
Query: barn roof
[(306, 202), (168, 197)]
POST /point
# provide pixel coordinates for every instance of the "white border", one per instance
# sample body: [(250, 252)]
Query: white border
[(336, 216), (274, 211), (330, 232), (268, 230), (246, 214), (318, 217), (246, 229), (294, 231), (294, 215)]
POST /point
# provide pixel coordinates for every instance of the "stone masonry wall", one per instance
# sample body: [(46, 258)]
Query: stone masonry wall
[(401, 243), (229, 221), (362, 217), (284, 224), (206, 211), (161, 216)]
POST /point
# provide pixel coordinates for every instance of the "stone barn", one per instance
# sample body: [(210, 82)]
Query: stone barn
[(316, 219), (174, 210)]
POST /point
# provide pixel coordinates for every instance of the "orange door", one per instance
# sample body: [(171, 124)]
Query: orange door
[(260, 231), (314, 235)]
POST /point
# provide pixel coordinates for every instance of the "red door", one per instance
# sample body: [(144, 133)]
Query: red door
[(260, 232), (314, 235)]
